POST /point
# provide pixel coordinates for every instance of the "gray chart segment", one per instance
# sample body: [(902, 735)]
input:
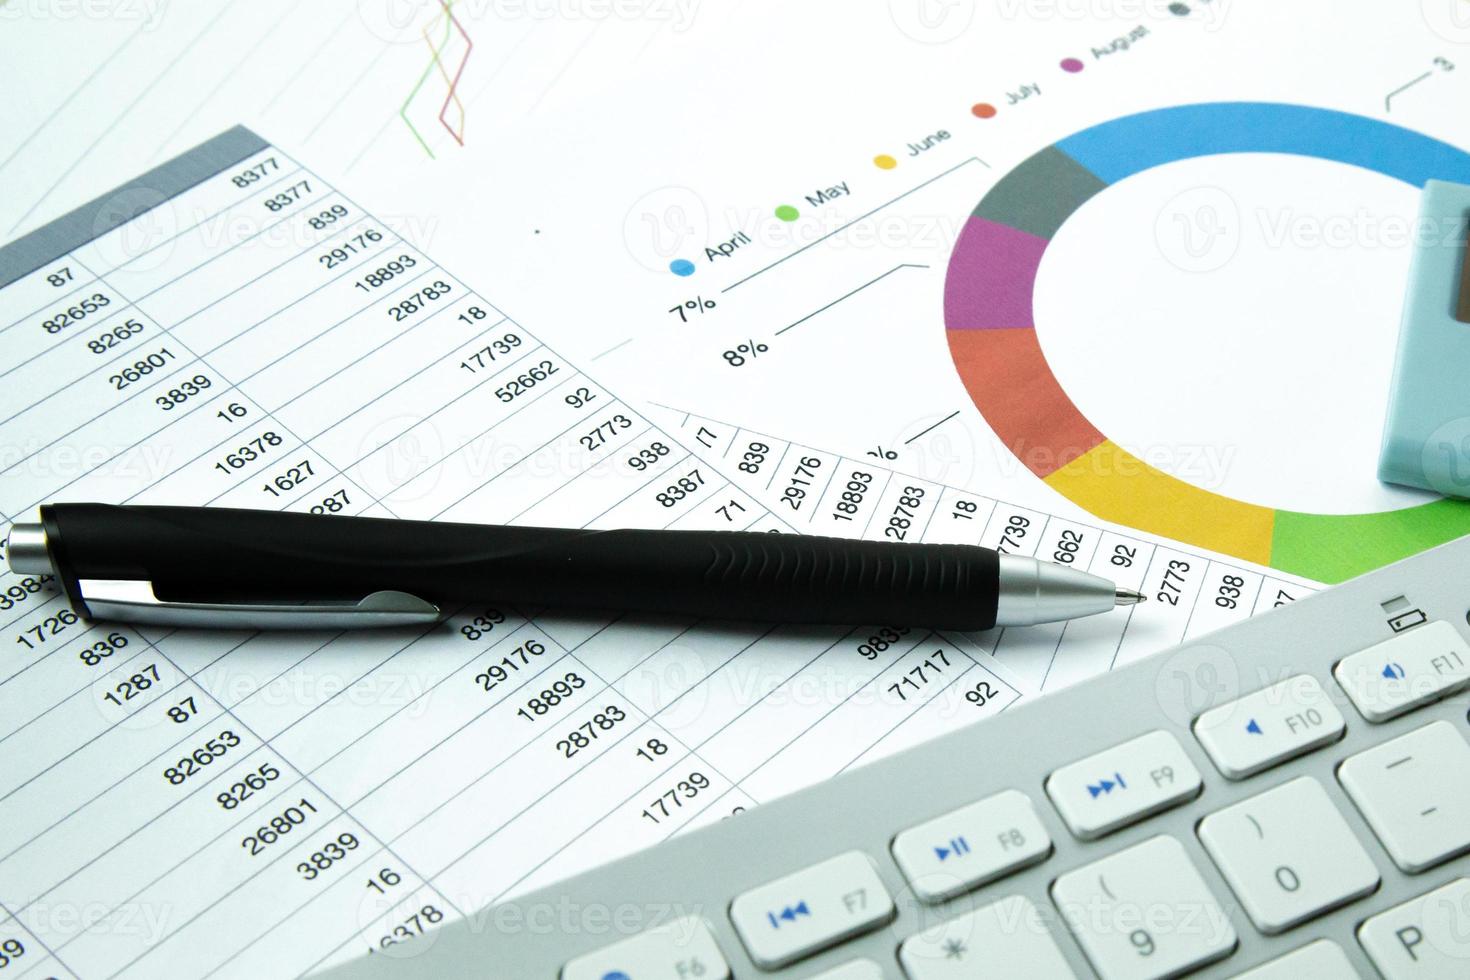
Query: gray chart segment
[(122, 204), (1040, 193)]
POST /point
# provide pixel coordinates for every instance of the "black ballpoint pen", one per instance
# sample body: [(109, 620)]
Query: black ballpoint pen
[(214, 567)]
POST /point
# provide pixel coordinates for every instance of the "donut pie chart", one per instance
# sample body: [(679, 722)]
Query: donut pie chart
[(991, 328)]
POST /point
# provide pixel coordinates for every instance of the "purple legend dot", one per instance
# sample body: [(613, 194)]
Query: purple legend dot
[(1072, 65)]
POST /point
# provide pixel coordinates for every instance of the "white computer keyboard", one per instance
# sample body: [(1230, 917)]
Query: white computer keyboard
[(1287, 799)]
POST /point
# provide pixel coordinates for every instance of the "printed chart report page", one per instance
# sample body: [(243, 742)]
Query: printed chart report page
[(233, 331), (1137, 263), (799, 254)]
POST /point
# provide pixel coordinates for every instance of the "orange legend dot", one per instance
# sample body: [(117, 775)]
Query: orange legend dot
[(884, 162), (983, 110)]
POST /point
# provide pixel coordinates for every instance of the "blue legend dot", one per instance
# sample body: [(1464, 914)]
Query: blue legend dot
[(616, 975), (681, 267)]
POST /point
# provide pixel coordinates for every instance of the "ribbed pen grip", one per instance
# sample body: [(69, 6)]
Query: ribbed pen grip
[(197, 554), (813, 579)]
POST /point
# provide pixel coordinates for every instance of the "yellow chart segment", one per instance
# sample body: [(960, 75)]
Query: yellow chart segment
[(1138, 495)]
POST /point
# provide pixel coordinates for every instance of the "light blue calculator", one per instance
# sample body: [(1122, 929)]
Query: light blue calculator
[(1426, 437)]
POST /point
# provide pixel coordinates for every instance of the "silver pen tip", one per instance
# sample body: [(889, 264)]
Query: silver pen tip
[(1127, 597)]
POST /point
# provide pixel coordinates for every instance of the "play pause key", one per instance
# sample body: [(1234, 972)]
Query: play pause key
[(970, 846)]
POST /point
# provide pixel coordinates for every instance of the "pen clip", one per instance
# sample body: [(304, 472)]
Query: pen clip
[(133, 600)]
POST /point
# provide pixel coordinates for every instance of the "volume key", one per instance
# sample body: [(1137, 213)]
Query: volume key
[(1268, 727), (1405, 672)]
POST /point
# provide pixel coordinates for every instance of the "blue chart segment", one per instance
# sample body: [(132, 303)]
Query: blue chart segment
[(1133, 144), (991, 327)]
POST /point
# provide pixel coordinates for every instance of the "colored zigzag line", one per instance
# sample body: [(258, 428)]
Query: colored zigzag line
[(438, 62), (469, 46), (434, 59)]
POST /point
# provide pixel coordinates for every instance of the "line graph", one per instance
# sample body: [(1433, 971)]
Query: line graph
[(446, 25), (458, 72)]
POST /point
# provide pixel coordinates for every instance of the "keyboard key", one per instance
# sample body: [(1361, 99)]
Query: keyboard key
[(677, 951), (1268, 727), (1288, 854), (856, 970), (1123, 784), (1415, 793), (1406, 672), (1144, 913), (971, 846), (1424, 939), (820, 906), (1006, 939), (1322, 960)]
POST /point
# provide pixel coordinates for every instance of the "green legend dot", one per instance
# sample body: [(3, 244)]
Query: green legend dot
[(787, 213)]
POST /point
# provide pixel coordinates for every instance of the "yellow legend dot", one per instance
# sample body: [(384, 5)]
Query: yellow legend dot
[(884, 162)]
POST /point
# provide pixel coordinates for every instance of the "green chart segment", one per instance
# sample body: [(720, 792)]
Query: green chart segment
[(991, 328)]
